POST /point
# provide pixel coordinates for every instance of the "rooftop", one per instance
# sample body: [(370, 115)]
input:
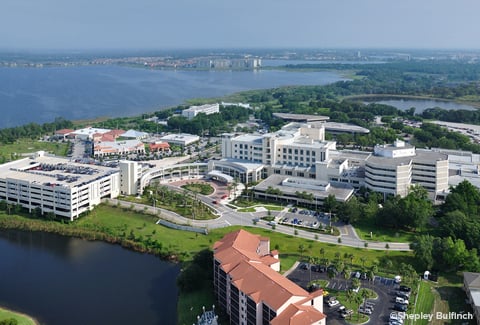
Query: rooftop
[(277, 181), (301, 117), (53, 171)]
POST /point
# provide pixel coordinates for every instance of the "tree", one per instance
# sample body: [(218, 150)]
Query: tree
[(363, 260), (423, 250), (416, 208), (322, 252), (346, 274), (330, 203), (301, 249), (350, 211)]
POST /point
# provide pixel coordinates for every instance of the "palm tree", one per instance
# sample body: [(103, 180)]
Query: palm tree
[(363, 260), (350, 295), (351, 257), (364, 294), (322, 252), (346, 274), (337, 256), (357, 299), (301, 249)]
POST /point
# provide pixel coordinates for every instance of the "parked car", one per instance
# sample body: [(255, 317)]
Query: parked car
[(404, 295), (404, 288), (333, 303), (400, 307), (347, 313), (366, 311), (400, 300)]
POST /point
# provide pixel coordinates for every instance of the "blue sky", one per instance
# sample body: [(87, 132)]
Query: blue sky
[(159, 24)]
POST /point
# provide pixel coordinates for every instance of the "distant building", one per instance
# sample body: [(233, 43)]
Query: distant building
[(88, 133), (207, 109), (63, 133), (134, 134), (181, 139), (250, 290), (121, 148), (159, 146)]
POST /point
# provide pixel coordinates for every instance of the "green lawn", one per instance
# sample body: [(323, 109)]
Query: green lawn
[(9, 151), (424, 302), (116, 221), (190, 306), (246, 210), (201, 188), (364, 228), (21, 318)]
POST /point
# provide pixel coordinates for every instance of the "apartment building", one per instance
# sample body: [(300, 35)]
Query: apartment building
[(250, 290), (57, 185)]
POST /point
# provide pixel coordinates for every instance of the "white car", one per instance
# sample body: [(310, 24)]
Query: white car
[(396, 317), (402, 301), (333, 303), (366, 311)]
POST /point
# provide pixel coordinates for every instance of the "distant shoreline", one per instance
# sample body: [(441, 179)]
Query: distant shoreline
[(32, 319)]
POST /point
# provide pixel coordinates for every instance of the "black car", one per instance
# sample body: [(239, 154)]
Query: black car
[(399, 307), (405, 288)]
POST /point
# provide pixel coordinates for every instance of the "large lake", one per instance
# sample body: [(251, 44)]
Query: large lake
[(61, 280), (41, 94), (423, 104)]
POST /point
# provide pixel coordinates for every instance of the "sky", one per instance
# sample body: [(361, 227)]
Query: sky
[(164, 24)]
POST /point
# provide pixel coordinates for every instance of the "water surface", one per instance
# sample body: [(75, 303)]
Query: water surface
[(61, 280)]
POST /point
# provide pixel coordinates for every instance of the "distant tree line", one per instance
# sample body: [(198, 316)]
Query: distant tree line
[(33, 130)]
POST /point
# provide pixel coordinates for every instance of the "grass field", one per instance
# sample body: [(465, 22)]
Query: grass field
[(189, 308), (116, 221), (424, 302), (21, 318), (14, 150), (364, 229)]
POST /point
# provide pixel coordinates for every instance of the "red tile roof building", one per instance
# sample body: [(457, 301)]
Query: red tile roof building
[(159, 146), (250, 289)]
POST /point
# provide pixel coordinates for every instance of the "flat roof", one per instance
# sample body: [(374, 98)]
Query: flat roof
[(301, 117), (246, 164), (53, 171), (249, 138), (275, 181), (91, 131), (180, 137), (345, 127)]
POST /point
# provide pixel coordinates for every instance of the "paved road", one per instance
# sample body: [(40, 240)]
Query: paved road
[(229, 217)]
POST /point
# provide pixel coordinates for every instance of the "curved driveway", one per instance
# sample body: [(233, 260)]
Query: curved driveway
[(228, 217)]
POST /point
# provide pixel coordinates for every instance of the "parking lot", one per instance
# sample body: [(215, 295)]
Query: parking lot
[(385, 288), (305, 218)]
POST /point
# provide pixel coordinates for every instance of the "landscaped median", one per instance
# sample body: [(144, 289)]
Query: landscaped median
[(13, 318)]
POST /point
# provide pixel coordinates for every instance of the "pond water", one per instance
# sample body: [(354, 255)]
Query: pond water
[(62, 280)]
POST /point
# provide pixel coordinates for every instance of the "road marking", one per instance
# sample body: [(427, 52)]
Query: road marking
[(228, 223)]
